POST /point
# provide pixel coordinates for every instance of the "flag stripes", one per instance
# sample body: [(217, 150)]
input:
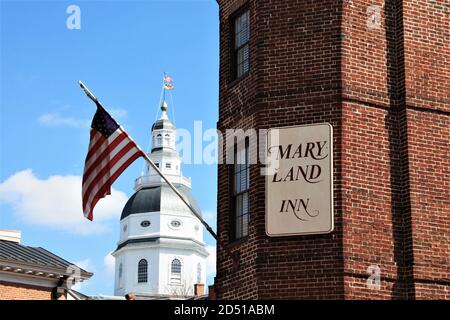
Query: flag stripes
[(98, 146), (101, 159), (110, 152)]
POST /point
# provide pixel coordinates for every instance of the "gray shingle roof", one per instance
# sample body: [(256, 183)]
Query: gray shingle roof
[(151, 199), (14, 252)]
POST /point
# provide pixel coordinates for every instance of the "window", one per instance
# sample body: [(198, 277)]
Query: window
[(145, 224), (175, 224), (199, 273), (157, 164), (120, 275), (159, 139), (168, 165), (241, 173), (241, 44), (175, 271), (142, 271), (167, 138)]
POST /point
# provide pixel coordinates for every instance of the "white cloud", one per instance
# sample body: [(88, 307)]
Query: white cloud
[(79, 286), (103, 274), (118, 113), (56, 120), (109, 263), (211, 261), (55, 202), (85, 264)]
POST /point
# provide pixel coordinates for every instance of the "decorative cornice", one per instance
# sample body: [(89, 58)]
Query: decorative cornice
[(195, 245), (38, 270)]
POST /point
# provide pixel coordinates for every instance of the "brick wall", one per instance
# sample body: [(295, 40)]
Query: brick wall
[(375, 160), (396, 145), (15, 291), (385, 91), (427, 95), (292, 80)]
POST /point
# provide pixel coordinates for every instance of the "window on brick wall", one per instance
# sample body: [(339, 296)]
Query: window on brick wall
[(241, 37), (241, 177)]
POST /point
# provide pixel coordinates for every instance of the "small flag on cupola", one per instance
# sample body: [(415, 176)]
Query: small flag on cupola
[(168, 82)]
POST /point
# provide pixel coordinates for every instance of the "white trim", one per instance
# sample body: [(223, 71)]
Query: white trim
[(10, 235), (9, 265), (140, 214), (28, 280), (181, 244)]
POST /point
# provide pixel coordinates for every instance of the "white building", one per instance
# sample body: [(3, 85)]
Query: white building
[(161, 252)]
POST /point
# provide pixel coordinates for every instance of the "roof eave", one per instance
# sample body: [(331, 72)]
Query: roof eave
[(36, 269)]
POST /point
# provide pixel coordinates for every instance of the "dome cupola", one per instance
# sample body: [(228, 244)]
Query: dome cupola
[(161, 244)]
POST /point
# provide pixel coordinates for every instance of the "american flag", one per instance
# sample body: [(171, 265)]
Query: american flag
[(168, 82), (168, 78), (110, 152)]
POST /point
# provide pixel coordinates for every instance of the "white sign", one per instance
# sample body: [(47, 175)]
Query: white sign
[(299, 188)]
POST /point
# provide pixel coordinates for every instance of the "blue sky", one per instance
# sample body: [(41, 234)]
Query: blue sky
[(120, 52)]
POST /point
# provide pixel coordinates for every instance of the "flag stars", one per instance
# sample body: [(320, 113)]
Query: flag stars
[(103, 123)]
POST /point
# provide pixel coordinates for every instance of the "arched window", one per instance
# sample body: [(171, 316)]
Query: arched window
[(159, 139), (199, 273), (120, 275), (175, 271), (142, 271), (167, 138)]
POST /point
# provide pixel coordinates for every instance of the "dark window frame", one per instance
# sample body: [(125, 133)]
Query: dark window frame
[(176, 268), (235, 216), (175, 223), (143, 271), (234, 51), (145, 223)]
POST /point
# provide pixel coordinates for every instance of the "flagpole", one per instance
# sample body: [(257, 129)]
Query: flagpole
[(233, 256), (164, 87)]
